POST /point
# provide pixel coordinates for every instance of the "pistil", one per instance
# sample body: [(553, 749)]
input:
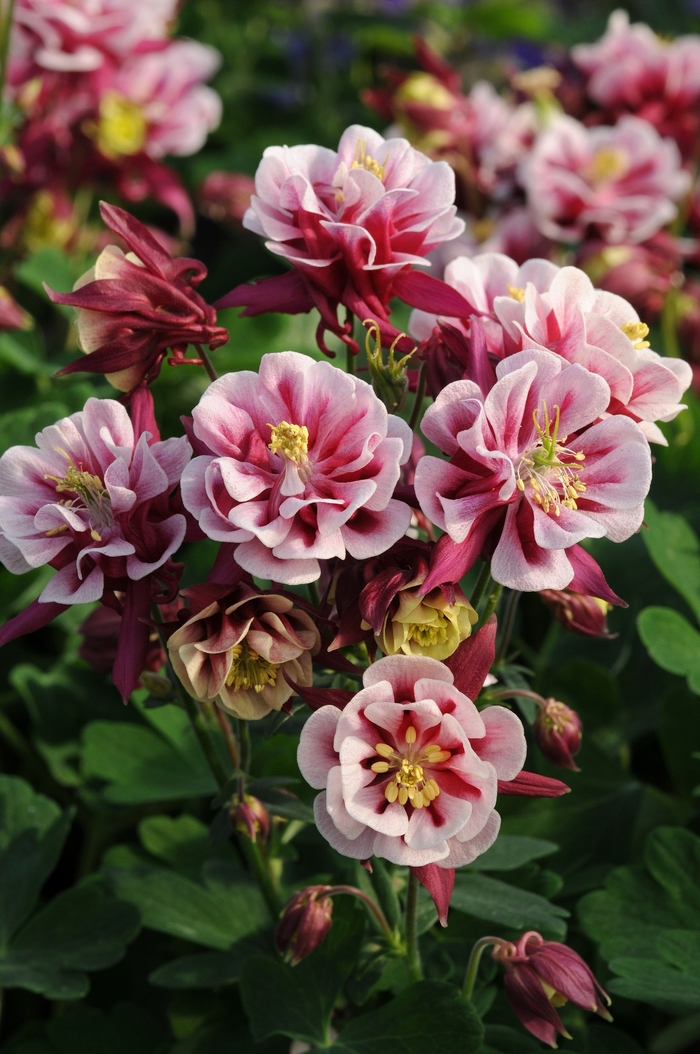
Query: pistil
[(542, 469)]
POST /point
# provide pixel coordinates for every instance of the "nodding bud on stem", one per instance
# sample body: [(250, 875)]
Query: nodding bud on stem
[(305, 922), (250, 817), (543, 975), (578, 612), (557, 730)]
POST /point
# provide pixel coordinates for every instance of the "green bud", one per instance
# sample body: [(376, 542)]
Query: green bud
[(389, 379)]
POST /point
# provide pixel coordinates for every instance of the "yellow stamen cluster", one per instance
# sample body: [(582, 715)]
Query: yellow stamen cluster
[(292, 441), (607, 164), (516, 293), (637, 333), (122, 127), (424, 88), (250, 670), (363, 160), (91, 495), (542, 469), (410, 782), (556, 716)]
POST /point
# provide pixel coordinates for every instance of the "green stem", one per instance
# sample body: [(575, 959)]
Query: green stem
[(508, 621), (207, 363), (258, 865), (229, 737), (371, 906), (481, 585), (492, 603), (412, 951), (473, 965), (420, 395), (209, 750), (514, 693)]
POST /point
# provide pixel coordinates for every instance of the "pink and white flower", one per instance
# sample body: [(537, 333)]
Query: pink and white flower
[(303, 463), (409, 768), (542, 306), (531, 473), (620, 182), (352, 222)]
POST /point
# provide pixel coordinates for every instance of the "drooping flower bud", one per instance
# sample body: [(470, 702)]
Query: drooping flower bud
[(578, 612), (543, 975), (250, 817), (557, 730), (305, 922)]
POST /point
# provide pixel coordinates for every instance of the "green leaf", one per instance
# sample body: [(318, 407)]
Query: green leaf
[(655, 983), (126, 1029), (217, 914), (52, 266), (305, 995), (675, 549), (430, 1017), (32, 833), (500, 1039), (672, 643), (511, 851), (495, 901), (80, 929), (672, 856), (208, 969), (679, 733), (182, 842)]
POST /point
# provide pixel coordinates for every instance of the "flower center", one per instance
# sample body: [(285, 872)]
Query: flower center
[(363, 160), (291, 441), (553, 482), (516, 293), (121, 128), (555, 716), (637, 332), (250, 670), (607, 164), (410, 782), (426, 634), (91, 496)]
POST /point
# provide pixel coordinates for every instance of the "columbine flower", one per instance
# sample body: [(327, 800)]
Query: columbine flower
[(543, 975), (529, 474), (305, 922), (94, 501), (238, 646), (353, 223), (409, 768), (540, 305), (132, 308), (557, 731), (303, 464), (579, 612), (619, 182)]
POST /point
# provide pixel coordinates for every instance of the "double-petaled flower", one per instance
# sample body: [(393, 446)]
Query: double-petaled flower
[(133, 307), (96, 502), (302, 465), (532, 472), (409, 768), (353, 222)]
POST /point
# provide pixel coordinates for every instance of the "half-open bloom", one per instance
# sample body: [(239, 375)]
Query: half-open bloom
[(621, 182), (238, 645), (409, 768), (303, 463), (133, 307), (530, 473), (542, 975), (540, 305), (352, 222)]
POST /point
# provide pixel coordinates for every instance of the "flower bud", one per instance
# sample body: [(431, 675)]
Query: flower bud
[(389, 379), (225, 196), (542, 975), (305, 922), (557, 731), (577, 612), (250, 817)]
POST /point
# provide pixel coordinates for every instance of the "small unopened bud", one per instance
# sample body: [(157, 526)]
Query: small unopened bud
[(305, 922), (578, 612), (250, 817), (557, 731), (389, 378)]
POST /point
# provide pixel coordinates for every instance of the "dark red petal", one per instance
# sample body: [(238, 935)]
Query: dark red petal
[(430, 294), (285, 293), (588, 577), (318, 697), (473, 659), (439, 881), (532, 785), (132, 649), (32, 618), (530, 1004)]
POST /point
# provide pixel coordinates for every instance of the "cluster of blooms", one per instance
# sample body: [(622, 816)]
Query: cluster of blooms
[(101, 95), (545, 399)]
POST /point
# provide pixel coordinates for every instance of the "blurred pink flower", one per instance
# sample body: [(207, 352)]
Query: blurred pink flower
[(409, 768), (352, 222), (303, 462), (95, 502), (530, 474), (540, 305), (620, 182), (225, 196)]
